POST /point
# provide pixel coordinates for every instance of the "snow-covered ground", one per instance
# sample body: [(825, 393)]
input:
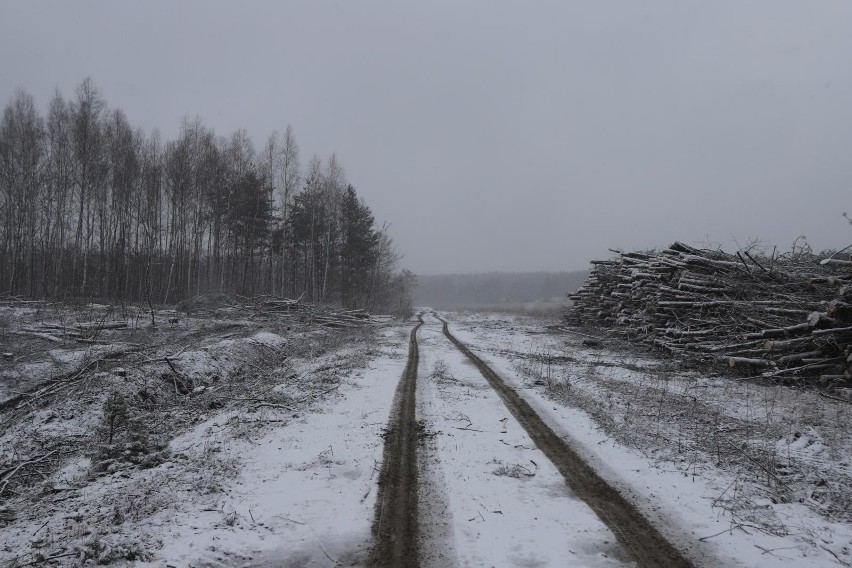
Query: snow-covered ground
[(273, 447), (305, 491), (713, 507), (272, 458), (496, 500)]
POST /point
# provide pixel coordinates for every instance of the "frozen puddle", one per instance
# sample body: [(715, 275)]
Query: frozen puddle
[(492, 498)]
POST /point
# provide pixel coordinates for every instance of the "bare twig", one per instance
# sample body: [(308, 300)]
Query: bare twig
[(8, 477)]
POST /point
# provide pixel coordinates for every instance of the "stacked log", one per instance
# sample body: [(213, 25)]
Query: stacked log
[(786, 317)]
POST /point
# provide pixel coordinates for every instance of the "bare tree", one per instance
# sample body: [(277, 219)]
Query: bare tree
[(89, 172), (60, 185), (334, 181), (288, 180), (90, 206), (22, 161)]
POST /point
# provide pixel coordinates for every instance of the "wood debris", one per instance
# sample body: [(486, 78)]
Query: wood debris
[(319, 314), (787, 317)]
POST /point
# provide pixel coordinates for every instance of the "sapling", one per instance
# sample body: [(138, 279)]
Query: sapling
[(123, 437)]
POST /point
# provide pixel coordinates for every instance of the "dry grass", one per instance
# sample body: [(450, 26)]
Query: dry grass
[(780, 444)]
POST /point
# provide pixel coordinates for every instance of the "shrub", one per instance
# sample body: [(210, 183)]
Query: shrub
[(123, 438)]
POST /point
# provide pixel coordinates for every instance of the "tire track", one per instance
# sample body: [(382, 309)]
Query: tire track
[(648, 547), (395, 528)]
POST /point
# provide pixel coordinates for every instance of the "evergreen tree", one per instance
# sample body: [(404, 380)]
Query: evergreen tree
[(251, 221), (358, 252)]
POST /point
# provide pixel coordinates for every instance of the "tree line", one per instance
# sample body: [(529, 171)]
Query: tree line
[(94, 208), (493, 288)]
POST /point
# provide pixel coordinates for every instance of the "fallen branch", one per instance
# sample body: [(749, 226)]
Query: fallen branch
[(7, 478)]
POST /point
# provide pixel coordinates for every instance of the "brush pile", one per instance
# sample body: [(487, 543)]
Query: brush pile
[(279, 308), (786, 318), (319, 314)]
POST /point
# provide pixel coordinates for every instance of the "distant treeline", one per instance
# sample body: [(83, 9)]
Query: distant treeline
[(495, 288), (91, 207)]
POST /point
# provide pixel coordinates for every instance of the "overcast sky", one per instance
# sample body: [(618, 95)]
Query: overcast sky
[(498, 135)]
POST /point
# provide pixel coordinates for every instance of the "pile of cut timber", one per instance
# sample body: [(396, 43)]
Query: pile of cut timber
[(787, 317)]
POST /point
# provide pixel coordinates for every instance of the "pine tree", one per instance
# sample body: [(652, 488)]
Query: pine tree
[(358, 250)]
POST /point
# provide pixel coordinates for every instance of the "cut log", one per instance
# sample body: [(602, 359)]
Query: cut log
[(45, 336), (746, 361), (837, 261), (788, 331), (744, 310), (797, 357), (97, 326), (839, 309)]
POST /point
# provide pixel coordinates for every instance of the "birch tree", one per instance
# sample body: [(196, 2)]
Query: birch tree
[(91, 207), (22, 160)]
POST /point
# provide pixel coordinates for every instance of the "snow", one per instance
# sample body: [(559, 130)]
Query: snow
[(288, 485), (293, 482), (305, 493), (683, 499), (73, 471), (507, 505)]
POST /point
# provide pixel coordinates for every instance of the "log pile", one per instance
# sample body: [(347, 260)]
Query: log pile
[(787, 318)]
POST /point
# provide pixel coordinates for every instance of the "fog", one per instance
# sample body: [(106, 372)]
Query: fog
[(494, 136)]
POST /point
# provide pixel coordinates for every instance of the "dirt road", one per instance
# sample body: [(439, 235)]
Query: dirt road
[(395, 525), (397, 529), (646, 544)]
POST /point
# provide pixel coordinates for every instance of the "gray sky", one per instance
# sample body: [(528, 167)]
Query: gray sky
[(498, 135)]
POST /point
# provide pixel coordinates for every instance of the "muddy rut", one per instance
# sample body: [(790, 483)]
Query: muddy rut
[(395, 525), (648, 547)]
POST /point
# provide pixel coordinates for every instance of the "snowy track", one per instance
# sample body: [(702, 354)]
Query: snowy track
[(493, 478), (644, 543), (395, 524)]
